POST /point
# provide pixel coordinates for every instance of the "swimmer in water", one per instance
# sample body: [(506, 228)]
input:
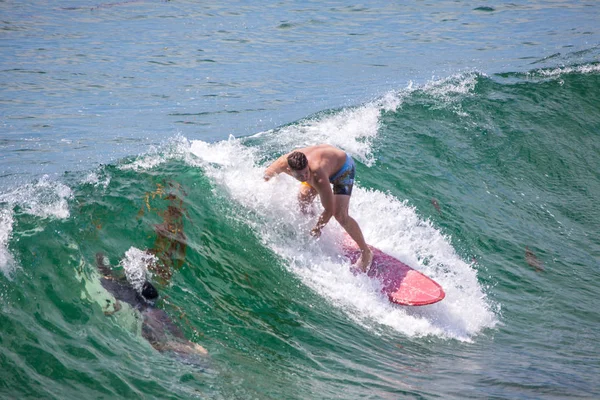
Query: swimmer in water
[(157, 326)]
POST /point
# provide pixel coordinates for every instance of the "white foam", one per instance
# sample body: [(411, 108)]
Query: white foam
[(7, 262), (556, 72), (351, 129), (175, 148), (145, 162), (449, 91), (458, 84), (135, 263), (94, 178), (44, 198), (387, 223), (391, 101)]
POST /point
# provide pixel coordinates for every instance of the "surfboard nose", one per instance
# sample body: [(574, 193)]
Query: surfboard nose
[(402, 284)]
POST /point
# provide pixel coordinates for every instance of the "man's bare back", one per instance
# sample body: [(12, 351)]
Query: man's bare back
[(324, 160)]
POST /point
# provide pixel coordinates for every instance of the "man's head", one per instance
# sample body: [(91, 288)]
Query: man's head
[(149, 291), (298, 164), (297, 161)]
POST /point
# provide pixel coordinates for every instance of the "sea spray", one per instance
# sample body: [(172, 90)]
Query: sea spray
[(44, 198), (7, 263), (351, 129), (135, 263), (176, 147)]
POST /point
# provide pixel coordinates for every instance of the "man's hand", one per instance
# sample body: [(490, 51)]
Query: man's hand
[(315, 232), (323, 219), (268, 174)]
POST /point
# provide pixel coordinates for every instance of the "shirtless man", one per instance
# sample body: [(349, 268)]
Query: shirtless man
[(317, 167)]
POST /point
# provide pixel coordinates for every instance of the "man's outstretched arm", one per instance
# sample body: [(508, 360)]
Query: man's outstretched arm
[(277, 167), (103, 268)]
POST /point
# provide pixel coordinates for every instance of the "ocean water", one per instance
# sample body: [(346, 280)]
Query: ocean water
[(137, 132)]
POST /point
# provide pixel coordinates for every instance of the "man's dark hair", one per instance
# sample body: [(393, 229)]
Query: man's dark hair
[(149, 291), (297, 161)]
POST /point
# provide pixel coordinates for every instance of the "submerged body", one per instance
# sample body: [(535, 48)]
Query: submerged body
[(157, 326)]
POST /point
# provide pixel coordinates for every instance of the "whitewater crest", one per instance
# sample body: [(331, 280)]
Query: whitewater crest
[(44, 198), (557, 72), (176, 147), (135, 263), (350, 130), (95, 178), (388, 223), (7, 262)]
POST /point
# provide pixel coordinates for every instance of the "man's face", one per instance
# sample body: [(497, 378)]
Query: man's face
[(302, 175)]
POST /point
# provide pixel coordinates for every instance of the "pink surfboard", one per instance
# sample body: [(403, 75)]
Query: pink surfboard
[(402, 284)]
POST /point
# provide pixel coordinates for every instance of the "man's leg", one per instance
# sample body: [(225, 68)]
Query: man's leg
[(306, 196), (351, 226)]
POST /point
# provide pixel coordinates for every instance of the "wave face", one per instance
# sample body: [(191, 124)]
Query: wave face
[(487, 184)]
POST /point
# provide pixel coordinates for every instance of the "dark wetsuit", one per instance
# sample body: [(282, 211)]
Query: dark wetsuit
[(157, 324)]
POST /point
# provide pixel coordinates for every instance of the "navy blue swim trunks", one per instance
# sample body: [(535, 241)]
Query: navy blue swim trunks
[(343, 180)]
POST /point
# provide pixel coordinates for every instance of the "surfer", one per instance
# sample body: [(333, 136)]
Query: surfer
[(317, 167), (157, 327)]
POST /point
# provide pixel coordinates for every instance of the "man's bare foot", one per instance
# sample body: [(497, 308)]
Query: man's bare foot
[(365, 260), (199, 349), (182, 347)]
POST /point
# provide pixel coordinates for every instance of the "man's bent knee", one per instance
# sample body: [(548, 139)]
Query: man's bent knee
[(342, 218)]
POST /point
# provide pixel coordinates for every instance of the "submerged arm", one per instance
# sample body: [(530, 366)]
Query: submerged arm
[(104, 269)]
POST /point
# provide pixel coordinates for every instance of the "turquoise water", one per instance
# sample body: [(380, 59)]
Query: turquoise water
[(146, 126)]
